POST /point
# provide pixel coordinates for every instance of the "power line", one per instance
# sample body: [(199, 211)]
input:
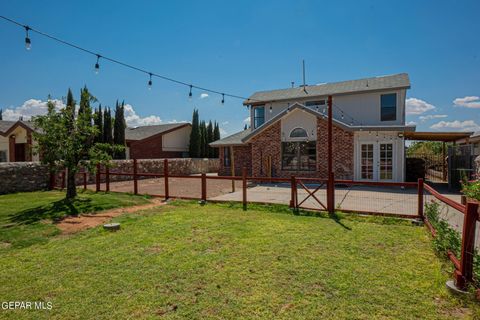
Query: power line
[(121, 63)]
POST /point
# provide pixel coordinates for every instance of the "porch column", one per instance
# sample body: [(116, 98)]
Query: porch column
[(11, 148), (444, 169)]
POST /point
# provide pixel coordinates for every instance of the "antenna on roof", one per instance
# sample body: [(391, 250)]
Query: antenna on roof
[(304, 85), (293, 84)]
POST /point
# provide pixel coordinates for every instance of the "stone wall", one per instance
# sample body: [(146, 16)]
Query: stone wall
[(23, 176), (32, 176)]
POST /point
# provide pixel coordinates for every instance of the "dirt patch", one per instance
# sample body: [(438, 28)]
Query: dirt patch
[(71, 225)]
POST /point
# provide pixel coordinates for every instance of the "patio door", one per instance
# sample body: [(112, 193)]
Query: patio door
[(376, 161)]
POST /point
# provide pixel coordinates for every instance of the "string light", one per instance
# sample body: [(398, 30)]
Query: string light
[(150, 82), (342, 116), (97, 65), (28, 43), (112, 60), (223, 98), (190, 93)]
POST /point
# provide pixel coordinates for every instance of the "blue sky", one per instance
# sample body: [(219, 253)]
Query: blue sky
[(242, 47)]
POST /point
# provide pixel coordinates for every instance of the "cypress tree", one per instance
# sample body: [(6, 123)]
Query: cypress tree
[(209, 139), (84, 107), (216, 136), (1, 114), (203, 139), (119, 130), (70, 110), (98, 123), (107, 126), (194, 147)]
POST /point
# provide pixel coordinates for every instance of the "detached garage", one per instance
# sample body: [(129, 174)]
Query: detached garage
[(158, 141)]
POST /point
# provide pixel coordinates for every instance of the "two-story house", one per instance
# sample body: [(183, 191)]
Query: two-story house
[(288, 131)]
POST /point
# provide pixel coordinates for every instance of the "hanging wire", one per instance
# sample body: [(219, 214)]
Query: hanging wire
[(124, 64)]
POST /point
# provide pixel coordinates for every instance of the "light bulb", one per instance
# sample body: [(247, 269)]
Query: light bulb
[(190, 94), (223, 98), (150, 82), (97, 65), (28, 43)]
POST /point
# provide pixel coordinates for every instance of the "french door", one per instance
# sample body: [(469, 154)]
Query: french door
[(376, 161)]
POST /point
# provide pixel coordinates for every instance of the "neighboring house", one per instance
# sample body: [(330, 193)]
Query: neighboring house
[(158, 141), (288, 131), (16, 141)]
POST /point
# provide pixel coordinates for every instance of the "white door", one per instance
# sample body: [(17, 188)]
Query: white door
[(376, 161)]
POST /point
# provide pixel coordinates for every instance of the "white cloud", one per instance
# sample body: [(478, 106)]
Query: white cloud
[(203, 95), (30, 108), (432, 116), (467, 125), (416, 106), (134, 120), (467, 102), (246, 120), (411, 123), (223, 132)]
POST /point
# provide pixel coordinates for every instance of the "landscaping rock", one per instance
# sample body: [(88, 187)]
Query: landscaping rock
[(112, 226)]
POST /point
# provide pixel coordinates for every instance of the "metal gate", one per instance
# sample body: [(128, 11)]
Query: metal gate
[(433, 167), (460, 165)]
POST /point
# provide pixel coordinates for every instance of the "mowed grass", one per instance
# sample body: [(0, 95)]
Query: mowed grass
[(27, 218), (185, 261)]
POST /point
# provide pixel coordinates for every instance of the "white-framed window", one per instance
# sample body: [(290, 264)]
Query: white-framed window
[(258, 116), (388, 107)]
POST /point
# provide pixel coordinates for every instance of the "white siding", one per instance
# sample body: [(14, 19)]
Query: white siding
[(177, 140), (299, 119), (363, 107)]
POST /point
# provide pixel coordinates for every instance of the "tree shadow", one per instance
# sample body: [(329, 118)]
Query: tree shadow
[(53, 211)]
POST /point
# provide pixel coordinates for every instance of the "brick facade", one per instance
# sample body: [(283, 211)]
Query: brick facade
[(267, 145), (243, 158)]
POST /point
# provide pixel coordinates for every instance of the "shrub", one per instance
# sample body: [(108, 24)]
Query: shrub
[(471, 189)]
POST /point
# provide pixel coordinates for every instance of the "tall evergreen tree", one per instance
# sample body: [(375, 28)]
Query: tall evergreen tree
[(119, 129), (98, 122), (1, 114), (85, 99), (216, 136), (194, 147), (203, 139), (70, 110), (209, 139), (107, 126)]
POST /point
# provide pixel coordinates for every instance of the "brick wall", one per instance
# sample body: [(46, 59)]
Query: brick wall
[(243, 158), (267, 144)]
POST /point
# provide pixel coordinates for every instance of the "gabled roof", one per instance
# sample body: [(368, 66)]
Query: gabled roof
[(232, 140), (395, 81), (7, 126), (144, 132)]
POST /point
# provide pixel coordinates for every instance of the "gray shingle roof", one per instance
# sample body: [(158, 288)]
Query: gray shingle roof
[(140, 133), (5, 125), (234, 139), (400, 80)]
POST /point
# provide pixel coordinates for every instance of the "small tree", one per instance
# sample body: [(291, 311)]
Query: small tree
[(66, 139), (209, 139), (98, 122), (216, 136)]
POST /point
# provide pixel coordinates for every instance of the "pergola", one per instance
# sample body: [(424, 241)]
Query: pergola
[(443, 137)]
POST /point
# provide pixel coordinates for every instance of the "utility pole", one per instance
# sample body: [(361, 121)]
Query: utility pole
[(330, 184)]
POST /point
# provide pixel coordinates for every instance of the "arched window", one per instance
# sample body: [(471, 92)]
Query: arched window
[(298, 133)]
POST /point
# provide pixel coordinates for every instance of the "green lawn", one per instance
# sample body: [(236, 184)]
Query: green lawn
[(193, 262), (26, 218)]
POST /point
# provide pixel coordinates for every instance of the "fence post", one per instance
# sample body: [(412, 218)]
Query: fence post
[(295, 194), (244, 188), (465, 274), (292, 192), (107, 179), (97, 178), (420, 198), (84, 180), (165, 176), (204, 187), (135, 182), (331, 193)]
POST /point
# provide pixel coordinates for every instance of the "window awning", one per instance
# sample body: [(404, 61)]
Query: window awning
[(436, 136)]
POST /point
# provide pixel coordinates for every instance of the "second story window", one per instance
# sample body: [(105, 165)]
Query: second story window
[(258, 116), (388, 107)]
